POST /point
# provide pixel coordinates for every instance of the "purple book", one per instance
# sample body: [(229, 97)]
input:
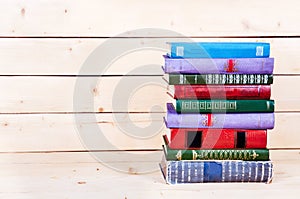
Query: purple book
[(220, 66), (219, 120)]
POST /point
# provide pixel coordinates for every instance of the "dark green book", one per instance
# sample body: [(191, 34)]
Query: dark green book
[(245, 79), (224, 106), (214, 154), (217, 154)]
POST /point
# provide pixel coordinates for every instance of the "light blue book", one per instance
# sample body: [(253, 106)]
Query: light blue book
[(219, 49)]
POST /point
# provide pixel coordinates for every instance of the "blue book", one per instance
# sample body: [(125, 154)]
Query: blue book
[(202, 171), (219, 49)]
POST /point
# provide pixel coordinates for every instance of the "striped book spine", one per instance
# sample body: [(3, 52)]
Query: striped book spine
[(246, 79), (179, 172)]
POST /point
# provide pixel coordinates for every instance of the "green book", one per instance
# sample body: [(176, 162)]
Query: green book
[(231, 79), (224, 106), (217, 154)]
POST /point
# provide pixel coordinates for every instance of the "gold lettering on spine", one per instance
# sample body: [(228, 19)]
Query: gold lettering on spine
[(195, 155), (221, 154), (225, 155), (246, 153), (240, 155), (179, 155), (211, 155), (181, 79), (235, 155), (254, 155)]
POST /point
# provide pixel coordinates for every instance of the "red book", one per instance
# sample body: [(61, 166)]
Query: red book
[(217, 138), (222, 91)]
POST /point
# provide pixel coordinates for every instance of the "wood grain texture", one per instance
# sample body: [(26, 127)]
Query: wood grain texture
[(191, 18), (44, 44), (67, 56), (110, 94), (43, 176), (62, 132)]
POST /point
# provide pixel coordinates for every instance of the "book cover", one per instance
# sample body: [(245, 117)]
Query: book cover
[(222, 91), (219, 49), (219, 120), (248, 79), (205, 138), (215, 154), (220, 66), (224, 106), (198, 171)]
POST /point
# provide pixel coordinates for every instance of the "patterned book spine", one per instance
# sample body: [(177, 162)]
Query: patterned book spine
[(220, 66), (221, 120), (249, 79), (179, 172), (222, 92), (219, 49), (224, 106), (218, 154), (217, 138)]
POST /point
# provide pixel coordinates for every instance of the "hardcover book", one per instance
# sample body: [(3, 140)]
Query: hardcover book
[(219, 120), (224, 106), (250, 79), (219, 49), (198, 171), (216, 154), (205, 138), (220, 66), (222, 91)]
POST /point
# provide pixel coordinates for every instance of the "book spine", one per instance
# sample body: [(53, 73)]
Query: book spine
[(219, 138), (218, 154), (224, 106), (250, 79), (222, 92), (228, 121), (178, 172), (219, 50), (220, 66)]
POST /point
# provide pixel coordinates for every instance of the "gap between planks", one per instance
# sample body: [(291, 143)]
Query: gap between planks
[(118, 151)]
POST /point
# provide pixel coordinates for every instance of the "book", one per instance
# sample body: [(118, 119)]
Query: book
[(198, 171), (216, 154), (222, 91), (219, 120), (220, 66), (250, 79), (224, 106), (219, 49), (205, 138)]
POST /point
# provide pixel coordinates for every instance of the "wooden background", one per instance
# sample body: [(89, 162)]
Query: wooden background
[(43, 45)]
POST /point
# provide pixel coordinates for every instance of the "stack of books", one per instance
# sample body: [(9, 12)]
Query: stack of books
[(218, 126)]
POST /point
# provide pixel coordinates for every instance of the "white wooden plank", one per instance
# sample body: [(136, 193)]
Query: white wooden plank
[(59, 132), (27, 178), (67, 56), (56, 94), (192, 18), (85, 157), (109, 94)]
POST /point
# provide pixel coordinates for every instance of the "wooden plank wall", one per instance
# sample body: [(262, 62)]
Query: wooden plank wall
[(44, 44), (41, 55)]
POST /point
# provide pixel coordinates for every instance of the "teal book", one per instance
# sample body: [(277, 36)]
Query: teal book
[(224, 106), (219, 49)]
